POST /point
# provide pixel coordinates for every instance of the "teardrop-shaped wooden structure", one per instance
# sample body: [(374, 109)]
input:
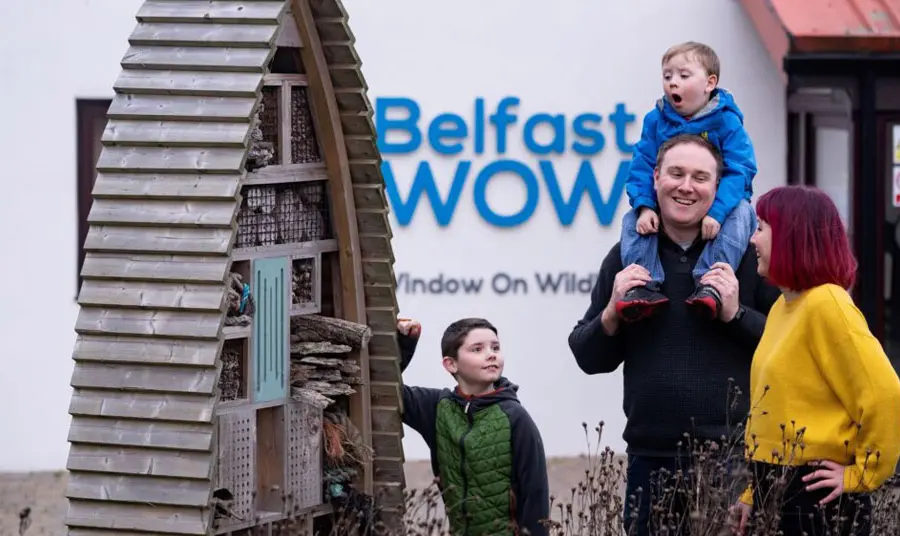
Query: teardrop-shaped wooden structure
[(239, 150)]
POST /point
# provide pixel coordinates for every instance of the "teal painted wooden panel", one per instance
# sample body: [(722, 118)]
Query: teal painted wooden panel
[(271, 328)]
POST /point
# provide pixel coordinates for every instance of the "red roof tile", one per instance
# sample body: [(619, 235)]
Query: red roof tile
[(826, 25)]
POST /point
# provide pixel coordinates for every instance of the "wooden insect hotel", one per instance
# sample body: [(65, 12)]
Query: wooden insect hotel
[(236, 365)]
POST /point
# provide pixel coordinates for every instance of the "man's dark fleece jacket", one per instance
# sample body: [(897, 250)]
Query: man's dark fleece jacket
[(677, 365)]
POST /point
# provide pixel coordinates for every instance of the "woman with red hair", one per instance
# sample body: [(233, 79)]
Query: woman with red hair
[(824, 425)]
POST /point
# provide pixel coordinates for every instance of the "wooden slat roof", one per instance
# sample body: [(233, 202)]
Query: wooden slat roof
[(162, 227)]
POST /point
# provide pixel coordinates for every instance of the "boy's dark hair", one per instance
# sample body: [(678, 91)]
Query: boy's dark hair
[(456, 333), (696, 140)]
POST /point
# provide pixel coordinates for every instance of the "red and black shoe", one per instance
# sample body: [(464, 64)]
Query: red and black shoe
[(640, 303), (706, 302)]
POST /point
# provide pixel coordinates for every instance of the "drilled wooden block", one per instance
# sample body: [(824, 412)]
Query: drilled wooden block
[(237, 461), (306, 285), (304, 459)]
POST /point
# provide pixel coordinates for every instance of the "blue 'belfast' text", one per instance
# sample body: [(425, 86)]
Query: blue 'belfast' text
[(447, 133)]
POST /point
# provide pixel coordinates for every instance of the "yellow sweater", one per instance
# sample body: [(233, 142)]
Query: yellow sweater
[(817, 372)]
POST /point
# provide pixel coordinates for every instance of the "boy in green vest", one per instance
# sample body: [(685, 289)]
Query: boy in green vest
[(485, 450)]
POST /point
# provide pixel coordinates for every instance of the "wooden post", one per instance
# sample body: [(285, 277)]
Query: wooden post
[(328, 127)]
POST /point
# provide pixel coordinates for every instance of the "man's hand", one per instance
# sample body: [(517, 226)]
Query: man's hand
[(648, 221), (631, 276), (709, 228), (721, 277)]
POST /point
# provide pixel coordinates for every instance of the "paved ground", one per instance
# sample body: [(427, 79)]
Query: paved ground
[(44, 493)]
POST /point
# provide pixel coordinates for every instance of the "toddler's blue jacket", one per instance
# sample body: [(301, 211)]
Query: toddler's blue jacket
[(721, 122)]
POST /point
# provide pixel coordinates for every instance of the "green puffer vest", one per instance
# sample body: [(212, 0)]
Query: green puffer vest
[(474, 455)]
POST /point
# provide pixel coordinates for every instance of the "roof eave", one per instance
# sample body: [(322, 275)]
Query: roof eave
[(861, 45), (770, 29)]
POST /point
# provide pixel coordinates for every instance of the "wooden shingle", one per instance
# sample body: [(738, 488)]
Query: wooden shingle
[(213, 36), (197, 58), (153, 301)]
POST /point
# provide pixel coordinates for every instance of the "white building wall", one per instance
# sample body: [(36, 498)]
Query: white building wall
[(51, 52), (574, 58)]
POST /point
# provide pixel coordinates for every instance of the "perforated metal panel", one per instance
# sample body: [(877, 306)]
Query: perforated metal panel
[(237, 462), (304, 460)]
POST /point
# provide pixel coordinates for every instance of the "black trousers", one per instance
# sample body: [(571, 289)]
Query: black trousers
[(643, 481), (656, 501), (848, 515)]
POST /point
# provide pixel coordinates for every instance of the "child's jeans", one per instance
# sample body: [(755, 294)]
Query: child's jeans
[(729, 245)]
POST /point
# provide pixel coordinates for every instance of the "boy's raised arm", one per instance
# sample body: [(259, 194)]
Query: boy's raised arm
[(420, 411), (532, 489), (419, 403)]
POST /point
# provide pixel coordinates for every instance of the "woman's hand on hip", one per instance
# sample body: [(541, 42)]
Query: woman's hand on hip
[(738, 516), (828, 475)]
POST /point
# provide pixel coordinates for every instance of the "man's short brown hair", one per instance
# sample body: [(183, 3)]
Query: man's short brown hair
[(697, 140), (704, 54)]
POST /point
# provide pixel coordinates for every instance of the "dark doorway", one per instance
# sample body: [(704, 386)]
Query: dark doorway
[(90, 121), (888, 166)]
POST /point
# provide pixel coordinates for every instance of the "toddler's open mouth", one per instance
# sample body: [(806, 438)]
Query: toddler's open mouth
[(676, 98)]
